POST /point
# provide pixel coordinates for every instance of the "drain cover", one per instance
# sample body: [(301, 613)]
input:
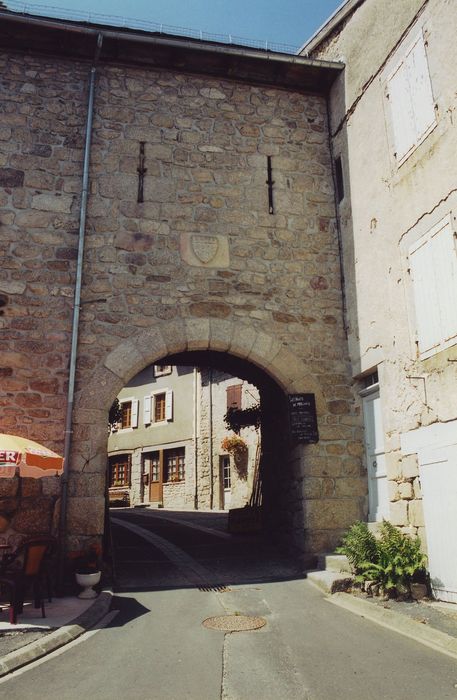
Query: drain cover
[(234, 623), (213, 589)]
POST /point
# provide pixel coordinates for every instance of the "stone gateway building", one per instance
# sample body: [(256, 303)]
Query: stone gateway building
[(186, 249), (166, 200)]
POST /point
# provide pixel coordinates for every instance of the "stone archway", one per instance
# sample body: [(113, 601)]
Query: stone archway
[(313, 520)]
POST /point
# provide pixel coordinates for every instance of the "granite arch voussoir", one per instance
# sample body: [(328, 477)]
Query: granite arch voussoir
[(170, 337)]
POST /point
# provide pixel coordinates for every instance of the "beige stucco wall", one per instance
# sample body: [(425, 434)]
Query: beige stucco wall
[(146, 438), (386, 208)]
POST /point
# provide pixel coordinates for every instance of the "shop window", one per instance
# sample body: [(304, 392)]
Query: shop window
[(174, 464), (119, 471)]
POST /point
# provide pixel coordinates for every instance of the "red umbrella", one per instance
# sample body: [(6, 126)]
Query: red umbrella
[(27, 457)]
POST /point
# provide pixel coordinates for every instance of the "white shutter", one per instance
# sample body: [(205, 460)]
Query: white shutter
[(402, 111), (426, 299), (420, 88), (134, 413), (169, 405), (147, 410), (445, 269)]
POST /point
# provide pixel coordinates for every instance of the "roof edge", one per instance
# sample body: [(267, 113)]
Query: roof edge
[(290, 71), (329, 25), (171, 40)]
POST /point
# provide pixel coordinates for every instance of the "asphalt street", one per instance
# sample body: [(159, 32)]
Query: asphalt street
[(173, 571)]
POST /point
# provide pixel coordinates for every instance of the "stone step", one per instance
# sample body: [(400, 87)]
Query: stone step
[(330, 581), (374, 527), (334, 562)]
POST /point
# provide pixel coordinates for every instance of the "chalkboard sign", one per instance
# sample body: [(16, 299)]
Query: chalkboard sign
[(303, 418)]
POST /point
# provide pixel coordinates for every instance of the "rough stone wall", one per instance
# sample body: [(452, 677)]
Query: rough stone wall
[(41, 139), (207, 495), (201, 250), (136, 486), (28, 507), (174, 496)]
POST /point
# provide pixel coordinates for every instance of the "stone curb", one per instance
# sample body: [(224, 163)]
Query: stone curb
[(54, 640), (430, 637)]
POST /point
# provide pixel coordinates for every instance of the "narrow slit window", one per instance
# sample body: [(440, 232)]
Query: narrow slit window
[(339, 181)]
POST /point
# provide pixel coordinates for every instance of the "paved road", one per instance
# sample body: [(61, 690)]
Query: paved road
[(171, 577)]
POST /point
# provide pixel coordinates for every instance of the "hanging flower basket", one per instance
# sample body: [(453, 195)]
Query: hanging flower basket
[(234, 445), (237, 447)]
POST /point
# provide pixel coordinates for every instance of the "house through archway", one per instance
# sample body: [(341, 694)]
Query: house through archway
[(200, 431)]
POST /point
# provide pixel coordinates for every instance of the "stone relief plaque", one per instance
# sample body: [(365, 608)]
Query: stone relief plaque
[(204, 250), (205, 247)]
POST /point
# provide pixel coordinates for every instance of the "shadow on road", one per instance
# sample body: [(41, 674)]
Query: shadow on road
[(158, 550)]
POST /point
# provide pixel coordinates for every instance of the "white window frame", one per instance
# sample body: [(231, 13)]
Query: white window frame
[(162, 370), (133, 414), (417, 135), (444, 337), (149, 407)]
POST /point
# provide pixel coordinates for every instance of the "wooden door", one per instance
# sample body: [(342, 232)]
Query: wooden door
[(378, 502), (225, 481), (438, 477), (156, 477)]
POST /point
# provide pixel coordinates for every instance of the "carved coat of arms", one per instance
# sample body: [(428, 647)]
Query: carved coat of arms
[(205, 247)]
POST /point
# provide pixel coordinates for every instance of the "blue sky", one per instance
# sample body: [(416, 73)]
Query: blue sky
[(285, 22)]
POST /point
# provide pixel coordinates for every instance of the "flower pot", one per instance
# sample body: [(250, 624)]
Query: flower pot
[(86, 581), (418, 591)]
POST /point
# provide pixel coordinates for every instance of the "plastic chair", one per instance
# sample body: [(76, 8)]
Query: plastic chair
[(26, 568)]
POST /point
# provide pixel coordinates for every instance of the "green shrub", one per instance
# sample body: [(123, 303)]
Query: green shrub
[(399, 559), (360, 546), (390, 560)]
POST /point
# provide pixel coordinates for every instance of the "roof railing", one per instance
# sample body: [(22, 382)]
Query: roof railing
[(51, 12)]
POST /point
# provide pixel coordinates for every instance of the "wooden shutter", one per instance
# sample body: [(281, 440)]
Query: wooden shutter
[(444, 263), (420, 89), (402, 111), (134, 423), (169, 405), (426, 300), (433, 264), (411, 99), (234, 396), (147, 410)]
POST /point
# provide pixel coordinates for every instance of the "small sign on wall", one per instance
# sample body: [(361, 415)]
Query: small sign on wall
[(303, 418)]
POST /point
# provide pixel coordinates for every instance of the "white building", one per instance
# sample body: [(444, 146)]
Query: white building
[(394, 139)]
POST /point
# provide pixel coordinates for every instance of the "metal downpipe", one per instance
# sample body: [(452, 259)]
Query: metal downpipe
[(76, 309), (211, 459), (196, 387)]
